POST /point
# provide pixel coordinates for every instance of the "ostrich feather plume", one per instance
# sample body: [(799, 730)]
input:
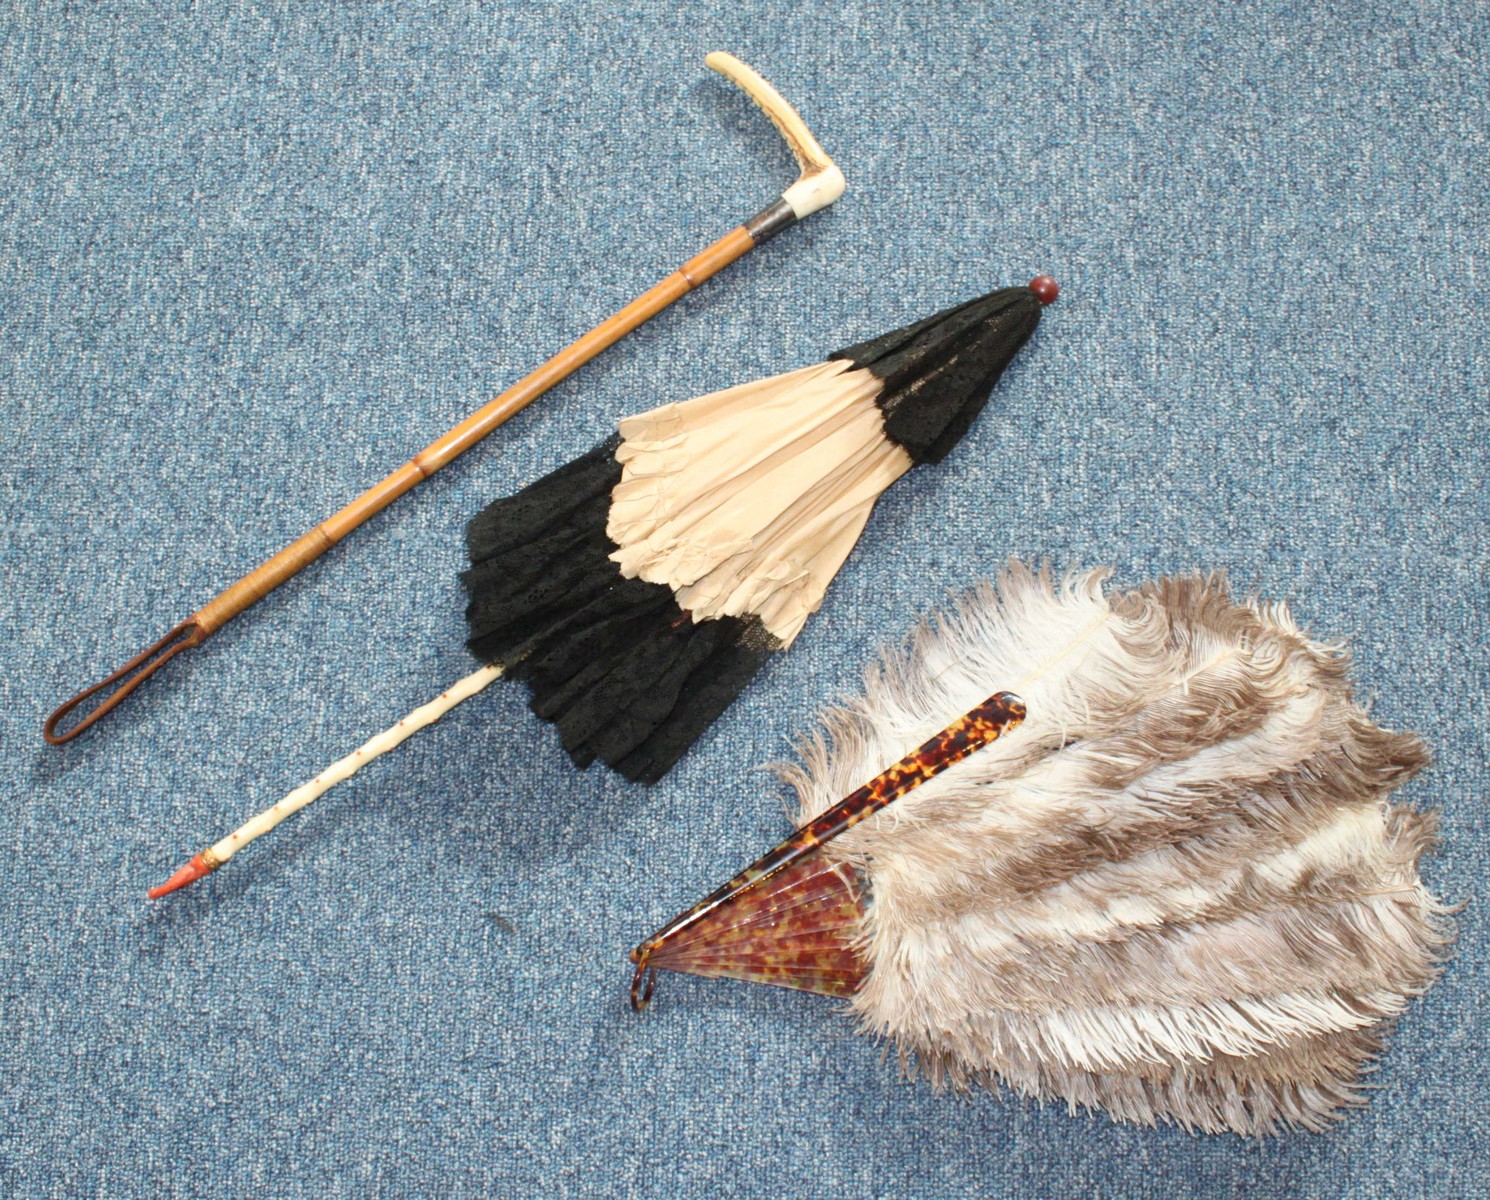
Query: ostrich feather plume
[(1178, 892)]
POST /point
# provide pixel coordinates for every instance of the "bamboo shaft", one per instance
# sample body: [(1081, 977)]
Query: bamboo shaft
[(304, 550), (820, 184), (258, 583)]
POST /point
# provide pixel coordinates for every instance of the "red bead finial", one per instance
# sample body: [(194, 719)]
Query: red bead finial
[(1045, 288)]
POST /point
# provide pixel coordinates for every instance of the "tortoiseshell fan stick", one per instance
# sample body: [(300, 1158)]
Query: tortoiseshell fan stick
[(819, 185), (986, 723)]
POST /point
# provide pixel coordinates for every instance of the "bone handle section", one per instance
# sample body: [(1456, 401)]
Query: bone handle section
[(427, 714), (344, 768)]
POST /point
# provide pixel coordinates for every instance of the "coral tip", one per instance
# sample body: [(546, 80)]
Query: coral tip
[(1045, 288), (190, 873)]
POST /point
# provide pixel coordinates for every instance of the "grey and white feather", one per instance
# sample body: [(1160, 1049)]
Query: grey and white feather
[(1178, 892)]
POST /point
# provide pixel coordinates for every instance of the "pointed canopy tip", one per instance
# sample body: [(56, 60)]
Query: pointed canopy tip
[(938, 372), (190, 873), (1046, 289)]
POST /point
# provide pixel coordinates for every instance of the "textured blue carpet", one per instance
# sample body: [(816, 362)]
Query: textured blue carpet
[(253, 255)]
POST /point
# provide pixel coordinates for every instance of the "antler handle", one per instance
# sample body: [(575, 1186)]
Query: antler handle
[(821, 182)]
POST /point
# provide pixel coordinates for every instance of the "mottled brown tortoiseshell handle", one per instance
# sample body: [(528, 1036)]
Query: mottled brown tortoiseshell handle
[(986, 723)]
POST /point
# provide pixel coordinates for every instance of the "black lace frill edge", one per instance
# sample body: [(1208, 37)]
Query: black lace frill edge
[(616, 664)]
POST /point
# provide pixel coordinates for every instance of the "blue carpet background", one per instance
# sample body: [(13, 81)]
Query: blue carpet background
[(252, 256)]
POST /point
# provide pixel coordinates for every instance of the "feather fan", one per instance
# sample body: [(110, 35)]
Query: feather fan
[(1177, 891)]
